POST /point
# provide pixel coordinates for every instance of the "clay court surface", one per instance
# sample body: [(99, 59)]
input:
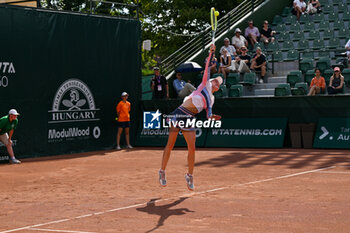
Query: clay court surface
[(237, 190)]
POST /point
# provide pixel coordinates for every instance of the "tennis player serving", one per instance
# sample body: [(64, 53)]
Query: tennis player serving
[(201, 98)]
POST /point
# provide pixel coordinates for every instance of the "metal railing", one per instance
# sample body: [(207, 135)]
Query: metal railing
[(198, 43)]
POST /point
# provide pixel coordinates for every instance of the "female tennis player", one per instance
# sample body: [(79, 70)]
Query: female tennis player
[(200, 99)]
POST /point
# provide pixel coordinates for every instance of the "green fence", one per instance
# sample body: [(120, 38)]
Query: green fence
[(64, 73), (261, 122)]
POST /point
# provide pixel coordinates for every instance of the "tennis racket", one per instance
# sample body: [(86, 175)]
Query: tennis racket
[(214, 22)]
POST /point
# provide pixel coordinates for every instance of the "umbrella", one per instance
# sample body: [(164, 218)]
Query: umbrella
[(188, 67)]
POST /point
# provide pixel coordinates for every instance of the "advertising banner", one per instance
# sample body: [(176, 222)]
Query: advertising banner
[(248, 132), (333, 133), (233, 132), (154, 131), (64, 73)]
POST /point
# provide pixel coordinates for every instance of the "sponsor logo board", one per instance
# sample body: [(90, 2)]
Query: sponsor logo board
[(333, 133), (73, 114), (7, 70)]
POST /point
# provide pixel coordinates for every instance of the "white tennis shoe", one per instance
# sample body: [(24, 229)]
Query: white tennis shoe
[(13, 160), (189, 181), (162, 179)]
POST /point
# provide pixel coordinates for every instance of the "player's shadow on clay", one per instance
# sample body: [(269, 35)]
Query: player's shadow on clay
[(163, 211)]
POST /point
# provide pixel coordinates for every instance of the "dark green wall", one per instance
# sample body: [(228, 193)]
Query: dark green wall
[(49, 48)]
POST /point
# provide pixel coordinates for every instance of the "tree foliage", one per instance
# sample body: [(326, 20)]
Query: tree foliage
[(165, 22)]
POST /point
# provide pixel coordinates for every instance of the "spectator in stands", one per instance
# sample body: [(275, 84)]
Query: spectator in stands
[(159, 85), (266, 33), (242, 63), (123, 112), (336, 82), (318, 84), (230, 48), (313, 7), (347, 47), (259, 64), (299, 7), (212, 64), (252, 33), (225, 64), (181, 87), (238, 40), (8, 125)]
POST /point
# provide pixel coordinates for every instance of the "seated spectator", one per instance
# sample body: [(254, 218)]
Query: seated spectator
[(182, 88), (242, 62), (299, 7), (313, 7), (230, 48), (159, 85), (252, 33), (318, 84), (238, 40), (336, 82), (259, 63), (266, 33), (212, 64), (225, 64), (347, 47)]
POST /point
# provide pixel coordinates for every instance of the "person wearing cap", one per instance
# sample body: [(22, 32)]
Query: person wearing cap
[(242, 62), (252, 33), (266, 33), (230, 48), (7, 126), (238, 40), (181, 87), (201, 99), (336, 82), (123, 114), (225, 64), (259, 64), (159, 85)]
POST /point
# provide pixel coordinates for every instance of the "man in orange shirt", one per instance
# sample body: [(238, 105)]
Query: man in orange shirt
[(123, 110), (317, 83)]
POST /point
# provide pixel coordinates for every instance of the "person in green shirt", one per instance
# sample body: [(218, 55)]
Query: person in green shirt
[(7, 126)]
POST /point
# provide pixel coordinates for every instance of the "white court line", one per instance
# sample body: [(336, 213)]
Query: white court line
[(334, 172), (161, 200), (42, 229)]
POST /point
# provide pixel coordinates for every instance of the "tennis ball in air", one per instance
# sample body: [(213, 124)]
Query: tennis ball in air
[(217, 13)]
